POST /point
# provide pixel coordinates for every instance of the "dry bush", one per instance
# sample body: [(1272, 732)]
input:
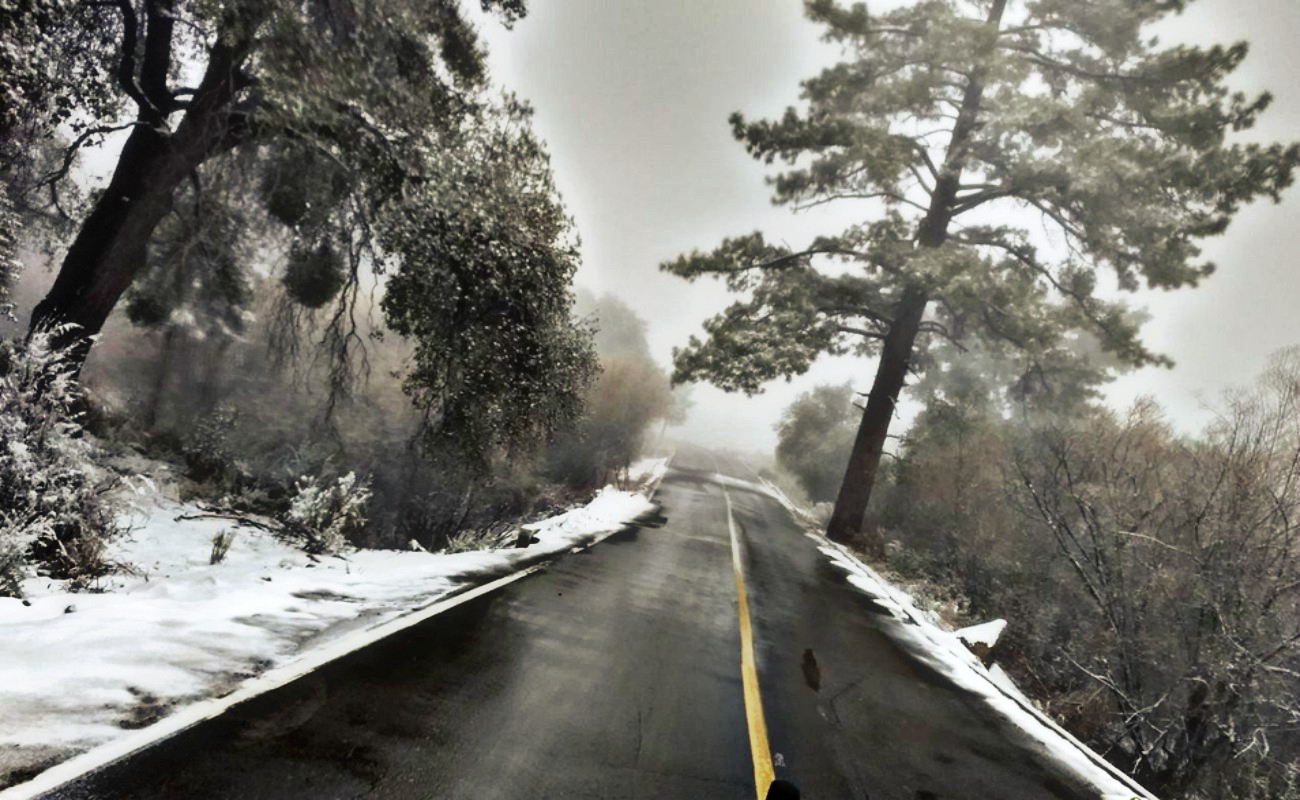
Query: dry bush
[(631, 393), (1153, 581), (621, 406)]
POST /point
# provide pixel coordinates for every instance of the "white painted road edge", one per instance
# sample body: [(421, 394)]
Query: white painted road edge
[(908, 609), (191, 715), (905, 606)]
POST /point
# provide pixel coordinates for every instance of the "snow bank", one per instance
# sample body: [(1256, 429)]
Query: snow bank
[(984, 635), (920, 634), (649, 471), (608, 511), (79, 670)]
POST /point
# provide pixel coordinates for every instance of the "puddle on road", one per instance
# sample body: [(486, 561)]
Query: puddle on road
[(648, 521), (653, 519), (812, 673)]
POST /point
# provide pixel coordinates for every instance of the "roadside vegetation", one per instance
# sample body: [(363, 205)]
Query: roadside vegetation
[(328, 281), (1016, 169), (1150, 578), (53, 505), (341, 307)]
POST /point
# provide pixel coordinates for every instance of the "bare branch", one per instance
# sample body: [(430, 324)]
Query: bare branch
[(70, 153), (126, 63), (863, 332)]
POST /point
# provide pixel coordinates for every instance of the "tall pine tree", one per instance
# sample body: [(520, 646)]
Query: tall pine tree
[(1018, 150)]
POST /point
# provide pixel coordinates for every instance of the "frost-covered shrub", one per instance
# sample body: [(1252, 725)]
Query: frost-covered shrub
[(330, 513), (492, 537), (53, 512), (9, 266), (207, 451)]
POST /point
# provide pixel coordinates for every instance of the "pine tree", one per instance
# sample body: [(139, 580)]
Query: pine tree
[(975, 125)]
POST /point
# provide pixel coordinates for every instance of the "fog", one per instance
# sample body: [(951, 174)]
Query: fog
[(633, 96)]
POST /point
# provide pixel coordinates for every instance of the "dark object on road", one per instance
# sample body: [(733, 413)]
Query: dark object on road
[(783, 790), (812, 674)]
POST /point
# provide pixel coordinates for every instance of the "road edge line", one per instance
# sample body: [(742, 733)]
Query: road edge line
[(108, 753), (813, 529)]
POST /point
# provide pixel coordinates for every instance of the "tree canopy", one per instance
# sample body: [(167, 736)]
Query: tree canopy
[(1018, 154), (348, 147)]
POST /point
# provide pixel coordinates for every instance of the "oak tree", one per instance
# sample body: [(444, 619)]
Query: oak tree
[(367, 88), (355, 144)]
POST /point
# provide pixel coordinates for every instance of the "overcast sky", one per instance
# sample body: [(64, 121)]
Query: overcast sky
[(632, 97)]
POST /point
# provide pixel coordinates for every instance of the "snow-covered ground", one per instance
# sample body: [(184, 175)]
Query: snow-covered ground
[(78, 671), (949, 652)]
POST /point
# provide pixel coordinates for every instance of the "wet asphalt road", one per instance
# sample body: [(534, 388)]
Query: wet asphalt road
[(614, 673)]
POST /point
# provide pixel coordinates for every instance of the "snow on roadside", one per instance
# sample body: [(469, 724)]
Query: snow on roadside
[(984, 635), (79, 670), (921, 635), (649, 471)]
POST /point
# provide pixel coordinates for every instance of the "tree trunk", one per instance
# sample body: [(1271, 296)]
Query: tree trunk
[(111, 246), (164, 372), (896, 351), (860, 474)]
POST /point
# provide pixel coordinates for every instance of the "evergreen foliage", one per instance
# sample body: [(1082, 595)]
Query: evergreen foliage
[(362, 139), (973, 126), (485, 259)]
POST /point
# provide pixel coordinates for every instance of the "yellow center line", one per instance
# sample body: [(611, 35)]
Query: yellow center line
[(764, 773)]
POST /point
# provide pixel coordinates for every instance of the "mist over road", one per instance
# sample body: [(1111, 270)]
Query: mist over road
[(615, 673)]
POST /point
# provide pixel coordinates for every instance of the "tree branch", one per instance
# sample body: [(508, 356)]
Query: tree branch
[(863, 332), (830, 198), (781, 262), (160, 19), (972, 201), (934, 326), (858, 311), (70, 153), (126, 64)]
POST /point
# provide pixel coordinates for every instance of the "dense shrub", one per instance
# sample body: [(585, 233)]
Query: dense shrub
[(331, 514), (53, 512)]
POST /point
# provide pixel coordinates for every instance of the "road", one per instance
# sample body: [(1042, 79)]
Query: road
[(616, 673)]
